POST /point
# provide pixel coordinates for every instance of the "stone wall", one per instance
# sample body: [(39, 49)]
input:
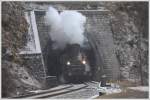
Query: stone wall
[(35, 66), (100, 35), (44, 36), (45, 42)]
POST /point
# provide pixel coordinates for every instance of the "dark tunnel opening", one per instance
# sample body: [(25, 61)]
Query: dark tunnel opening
[(55, 68)]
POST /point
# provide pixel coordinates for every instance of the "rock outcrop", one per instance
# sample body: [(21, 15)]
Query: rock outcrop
[(129, 22), (17, 78)]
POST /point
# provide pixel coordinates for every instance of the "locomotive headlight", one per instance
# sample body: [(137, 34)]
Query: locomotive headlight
[(68, 62), (84, 62)]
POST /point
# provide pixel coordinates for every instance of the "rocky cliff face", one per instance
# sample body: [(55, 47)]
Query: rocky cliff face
[(17, 78), (130, 31), (14, 27)]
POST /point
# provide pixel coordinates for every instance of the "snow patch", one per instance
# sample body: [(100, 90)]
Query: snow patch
[(114, 88), (140, 88)]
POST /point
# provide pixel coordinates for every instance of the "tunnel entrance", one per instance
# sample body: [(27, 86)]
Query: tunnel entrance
[(99, 34), (56, 67), (52, 56)]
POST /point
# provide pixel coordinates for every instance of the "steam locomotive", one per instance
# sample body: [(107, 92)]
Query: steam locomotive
[(74, 63)]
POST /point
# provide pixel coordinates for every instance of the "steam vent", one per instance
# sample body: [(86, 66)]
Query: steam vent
[(74, 49)]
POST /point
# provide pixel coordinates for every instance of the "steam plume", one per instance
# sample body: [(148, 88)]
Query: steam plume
[(66, 27)]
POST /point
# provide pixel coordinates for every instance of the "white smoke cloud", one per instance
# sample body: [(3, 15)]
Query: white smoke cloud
[(66, 27)]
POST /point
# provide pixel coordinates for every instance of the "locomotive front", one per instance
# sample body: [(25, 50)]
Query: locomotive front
[(74, 62)]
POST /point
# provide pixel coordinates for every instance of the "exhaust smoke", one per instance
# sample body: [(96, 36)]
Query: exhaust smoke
[(66, 27)]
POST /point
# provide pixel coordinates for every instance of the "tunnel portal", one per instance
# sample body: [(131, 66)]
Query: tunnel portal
[(101, 53)]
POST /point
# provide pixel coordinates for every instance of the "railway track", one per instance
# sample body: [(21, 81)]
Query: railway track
[(39, 92), (64, 91), (87, 92), (58, 91)]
